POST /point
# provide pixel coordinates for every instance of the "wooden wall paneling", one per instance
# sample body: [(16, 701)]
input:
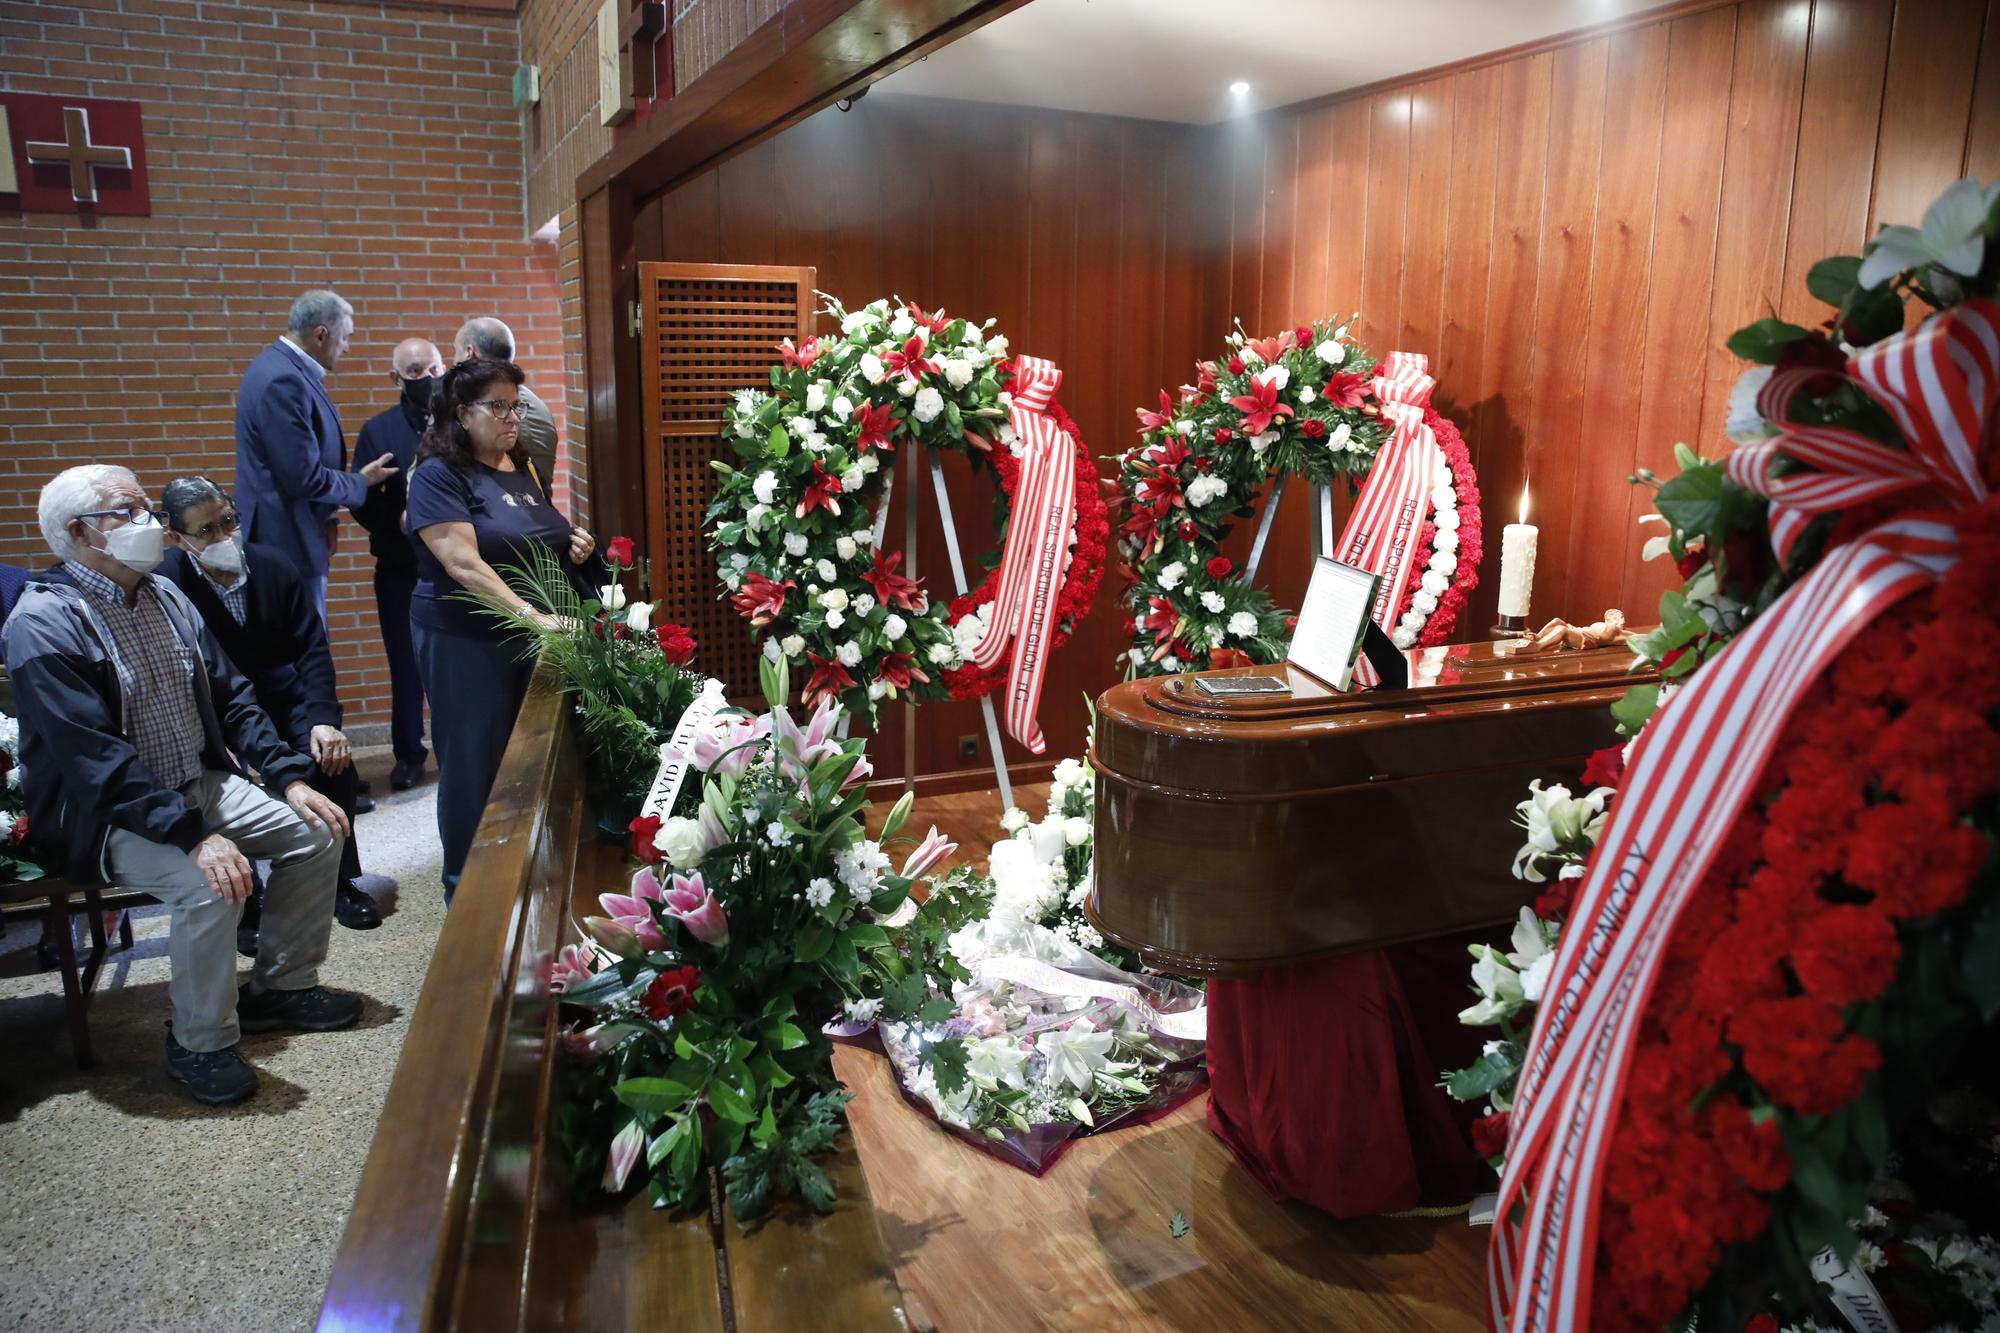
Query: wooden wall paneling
[(1462, 339), (1244, 143), (1504, 415), (1420, 305), (1386, 212), (691, 221), (1556, 428), (1839, 116), (1313, 220), (1701, 51), (1926, 109), (1982, 140), (1277, 307), (1621, 258), (1766, 78), (1347, 204)]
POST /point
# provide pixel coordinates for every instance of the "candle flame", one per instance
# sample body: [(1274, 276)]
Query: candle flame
[(1524, 501)]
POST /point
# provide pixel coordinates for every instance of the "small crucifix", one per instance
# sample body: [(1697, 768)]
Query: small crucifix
[(642, 27), (81, 155)]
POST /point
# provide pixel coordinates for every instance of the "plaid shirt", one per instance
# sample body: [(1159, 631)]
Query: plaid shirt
[(236, 597), (155, 672)]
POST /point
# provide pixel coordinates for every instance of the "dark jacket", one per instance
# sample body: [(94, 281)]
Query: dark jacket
[(390, 432), (80, 775), (291, 459), (280, 646)]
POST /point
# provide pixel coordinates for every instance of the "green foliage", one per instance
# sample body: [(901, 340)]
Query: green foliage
[(1493, 1069), (1764, 341), (1177, 1225)]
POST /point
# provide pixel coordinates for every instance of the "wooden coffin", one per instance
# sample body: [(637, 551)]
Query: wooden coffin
[(1234, 833), (465, 1218)]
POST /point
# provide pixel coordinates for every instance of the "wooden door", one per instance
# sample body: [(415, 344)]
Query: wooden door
[(706, 330)]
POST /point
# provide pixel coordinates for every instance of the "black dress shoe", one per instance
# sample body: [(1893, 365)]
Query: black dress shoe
[(405, 775), (314, 1009), (213, 1078), (354, 909), (364, 804)]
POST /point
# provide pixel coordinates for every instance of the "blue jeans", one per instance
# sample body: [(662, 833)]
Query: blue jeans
[(471, 722)]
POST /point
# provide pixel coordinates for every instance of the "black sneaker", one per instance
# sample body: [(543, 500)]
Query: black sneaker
[(354, 909), (314, 1009), (213, 1078)]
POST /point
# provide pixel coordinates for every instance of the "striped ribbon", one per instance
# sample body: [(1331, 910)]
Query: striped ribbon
[(1699, 762), (1381, 532), (1039, 528)]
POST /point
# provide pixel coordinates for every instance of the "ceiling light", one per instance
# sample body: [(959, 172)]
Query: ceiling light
[(1239, 88)]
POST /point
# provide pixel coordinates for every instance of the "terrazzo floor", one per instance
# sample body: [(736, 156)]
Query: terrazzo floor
[(128, 1206)]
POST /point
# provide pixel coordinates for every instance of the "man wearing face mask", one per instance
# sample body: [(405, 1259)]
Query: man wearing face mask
[(256, 606), (416, 370), (132, 721)]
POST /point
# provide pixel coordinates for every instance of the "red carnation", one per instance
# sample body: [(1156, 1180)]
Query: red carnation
[(1846, 954), (1795, 1051), (1219, 567), (619, 551), (1236, 365), (672, 992), (1556, 900), (645, 829), (677, 643), (1605, 767), (1763, 1323), (1690, 564), (1489, 1135)]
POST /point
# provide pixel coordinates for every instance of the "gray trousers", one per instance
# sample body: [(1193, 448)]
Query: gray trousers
[(201, 943)]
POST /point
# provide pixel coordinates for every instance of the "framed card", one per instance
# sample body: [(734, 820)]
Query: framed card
[(1331, 622)]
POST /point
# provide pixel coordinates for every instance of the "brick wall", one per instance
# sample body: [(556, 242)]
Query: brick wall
[(367, 147)]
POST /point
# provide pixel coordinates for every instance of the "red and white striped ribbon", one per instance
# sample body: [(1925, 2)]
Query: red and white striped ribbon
[(1381, 533), (1040, 525), (1696, 766)]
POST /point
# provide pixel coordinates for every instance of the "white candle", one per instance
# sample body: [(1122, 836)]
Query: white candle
[(1517, 563)]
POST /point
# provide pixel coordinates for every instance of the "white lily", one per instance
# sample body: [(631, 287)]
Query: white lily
[(1074, 1054), (997, 1062), (1499, 988), (1952, 236)]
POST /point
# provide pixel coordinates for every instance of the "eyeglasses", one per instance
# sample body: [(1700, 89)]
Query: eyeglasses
[(502, 408), (137, 515), (225, 526)]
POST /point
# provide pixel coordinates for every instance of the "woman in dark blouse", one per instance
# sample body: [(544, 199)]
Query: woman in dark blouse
[(473, 508)]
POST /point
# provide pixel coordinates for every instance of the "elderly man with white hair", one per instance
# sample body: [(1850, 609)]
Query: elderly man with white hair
[(486, 336), (134, 732)]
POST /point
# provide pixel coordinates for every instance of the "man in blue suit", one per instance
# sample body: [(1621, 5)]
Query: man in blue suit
[(291, 457)]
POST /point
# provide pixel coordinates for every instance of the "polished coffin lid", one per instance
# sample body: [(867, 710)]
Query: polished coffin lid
[(1235, 832)]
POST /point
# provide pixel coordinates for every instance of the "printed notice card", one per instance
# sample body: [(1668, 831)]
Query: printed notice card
[(1331, 621)]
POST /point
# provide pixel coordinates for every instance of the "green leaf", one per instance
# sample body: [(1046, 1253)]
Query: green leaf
[(1872, 316), (947, 1061), (1632, 712), (1834, 280), (1491, 1070), (787, 1036), (766, 1131), (865, 936), (1177, 1225), (1763, 341), (938, 1009), (653, 1096), (813, 943), (1692, 502), (733, 1093), (779, 443), (610, 987)]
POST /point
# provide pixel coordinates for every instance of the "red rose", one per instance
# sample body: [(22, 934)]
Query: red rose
[(1690, 564), (1489, 1134), (1223, 435), (677, 643), (1219, 567), (1605, 767), (1312, 428), (1201, 463), (18, 836), (672, 992), (1236, 365), (619, 551), (1303, 334), (644, 829), (1557, 899)]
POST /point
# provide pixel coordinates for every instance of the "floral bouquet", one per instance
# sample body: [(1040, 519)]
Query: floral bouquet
[(707, 984), (1043, 871), (15, 864)]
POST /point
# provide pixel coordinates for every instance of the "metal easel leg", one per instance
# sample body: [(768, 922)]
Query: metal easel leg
[(959, 584), (910, 551), (1322, 521), (1271, 503)]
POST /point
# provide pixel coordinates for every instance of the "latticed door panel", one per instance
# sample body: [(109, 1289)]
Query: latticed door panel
[(706, 330)]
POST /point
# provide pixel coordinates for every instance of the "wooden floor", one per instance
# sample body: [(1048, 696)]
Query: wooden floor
[(980, 1245)]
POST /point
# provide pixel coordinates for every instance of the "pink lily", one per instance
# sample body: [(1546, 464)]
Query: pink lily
[(617, 939), (689, 902), (623, 1155), (728, 752), (576, 963), (802, 748), (933, 849), (634, 910)]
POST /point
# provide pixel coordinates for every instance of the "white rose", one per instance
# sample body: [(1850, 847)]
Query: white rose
[(765, 488), (612, 597), (971, 336), (826, 570), (681, 841), (871, 368), (795, 544), (841, 408), (901, 325), (1263, 440), (793, 645), (1338, 439), (864, 536), (1306, 394), (845, 548), (849, 654), (869, 464), (929, 405), (957, 373), (1243, 625), (1076, 830), (835, 619), (639, 617), (1170, 663), (894, 626), (816, 395), (1185, 426), (853, 480), (1171, 576), (754, 519), (1205, 488), (1330, 352), (863, 604), (1213, 601), (834, 599), (997, 345), (1070, 773), (906, 386), (1014, 820), (1275, 375)]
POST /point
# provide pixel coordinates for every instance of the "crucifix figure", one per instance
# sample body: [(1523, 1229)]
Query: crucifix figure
[(82, 156)]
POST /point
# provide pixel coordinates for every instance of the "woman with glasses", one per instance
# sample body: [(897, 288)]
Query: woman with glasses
[(258, 608), (474, 508)]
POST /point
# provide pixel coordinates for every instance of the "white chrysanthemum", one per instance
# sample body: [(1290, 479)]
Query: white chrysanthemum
[(1213, 601), (929, 405), (1205, 488), (1330, 352), (853, 480), (943, 654), (864, 1009), (957, 372), (777, 834), (1243, 625), (754, 518), (860, 866), (1170, 577), (1306, 394)]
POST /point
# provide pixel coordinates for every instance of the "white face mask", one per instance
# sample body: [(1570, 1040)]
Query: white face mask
[(224, 557), (137, 547)]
